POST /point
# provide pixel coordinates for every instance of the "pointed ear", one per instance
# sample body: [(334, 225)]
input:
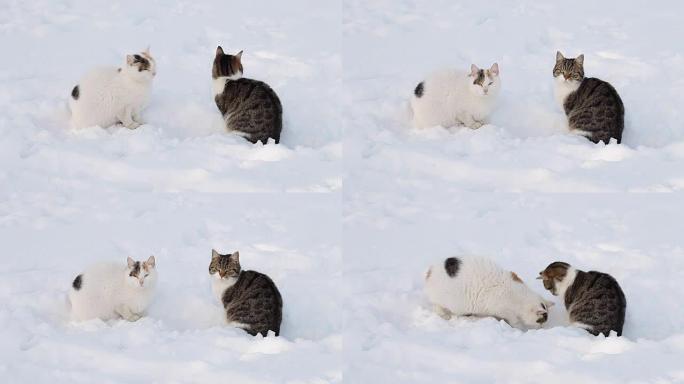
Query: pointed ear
[(239, 56), (236, 256), (559, 56), (549, 303), (494, 69), (130, 262), (580, 59), (219, 51), (474, 70), (147, 50), (541, 275), (214, 254), (130, 59), (150, 261)]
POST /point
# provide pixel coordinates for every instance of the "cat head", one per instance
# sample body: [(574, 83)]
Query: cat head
[(557, 277), (484, 82), (534, 309), (227, 65), (141, 66), (141, 274), (224, 266), (568, 70)]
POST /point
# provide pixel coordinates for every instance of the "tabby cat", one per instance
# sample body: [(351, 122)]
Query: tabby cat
[(249, 107), (251, 299), (593, 107), (594, 300)]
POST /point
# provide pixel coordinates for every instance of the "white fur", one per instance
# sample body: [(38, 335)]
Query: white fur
[(562, 286), (219, 285), (109, 96), (563, 88), (219, 84), (482, 288), (108, 292), (450, 98)]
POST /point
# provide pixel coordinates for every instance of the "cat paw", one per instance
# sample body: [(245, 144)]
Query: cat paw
[(133, 317), (476, 125), (133, 125)]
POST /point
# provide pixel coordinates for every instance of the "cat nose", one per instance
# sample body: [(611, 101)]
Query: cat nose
[(566, 76)]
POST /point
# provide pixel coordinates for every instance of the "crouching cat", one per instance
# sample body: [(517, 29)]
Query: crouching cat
[(110, 95), (111, 290), (251, 299), (456, 98), (249, 107), (594, 300), (476, 286)]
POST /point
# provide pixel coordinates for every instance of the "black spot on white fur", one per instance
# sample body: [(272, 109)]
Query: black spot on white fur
[(77, 282), (135, 271), (451, 266), (75, 92), (419, 89)]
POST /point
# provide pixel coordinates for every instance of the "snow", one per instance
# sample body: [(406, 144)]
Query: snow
[(349, 210), (393, 45), (391, 332), (519, 190), (176, 187)]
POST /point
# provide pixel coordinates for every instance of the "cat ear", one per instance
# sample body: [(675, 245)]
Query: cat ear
[(549, 303), (494, 69), (131, 262), (130, 59), (541, 275), (559, 56), (214, 254), (150, 261), (580, 59), (474, 70), (219, 51), (236, 256), (147, 51), (239, 56)]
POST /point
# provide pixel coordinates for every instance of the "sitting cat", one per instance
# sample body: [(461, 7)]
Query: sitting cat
[(111, 290), (593, 299), (249, 107), (107, 96), (251, 299), (476, 286), (452, 97), (593, 107)]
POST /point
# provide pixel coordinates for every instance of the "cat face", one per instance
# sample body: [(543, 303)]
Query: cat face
[(224, 266), (141, 274), (537, 313), (568, 70), (554, 275), (141, 65), (484, 82), (227, 65)]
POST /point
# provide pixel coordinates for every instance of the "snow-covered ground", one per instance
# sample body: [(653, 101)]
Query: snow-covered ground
[(349, 261), (48, 45), (294, 238), (389, 46), (413, 197), (391, 333), (172, 188)]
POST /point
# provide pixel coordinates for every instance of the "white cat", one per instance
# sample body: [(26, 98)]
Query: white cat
[(112, 290), (107, 96), (451, 97), (476, 286)]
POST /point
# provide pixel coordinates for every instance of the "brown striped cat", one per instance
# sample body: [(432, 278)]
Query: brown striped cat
[(251, 299), (594, 300), (249, 107), (593, 107)]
